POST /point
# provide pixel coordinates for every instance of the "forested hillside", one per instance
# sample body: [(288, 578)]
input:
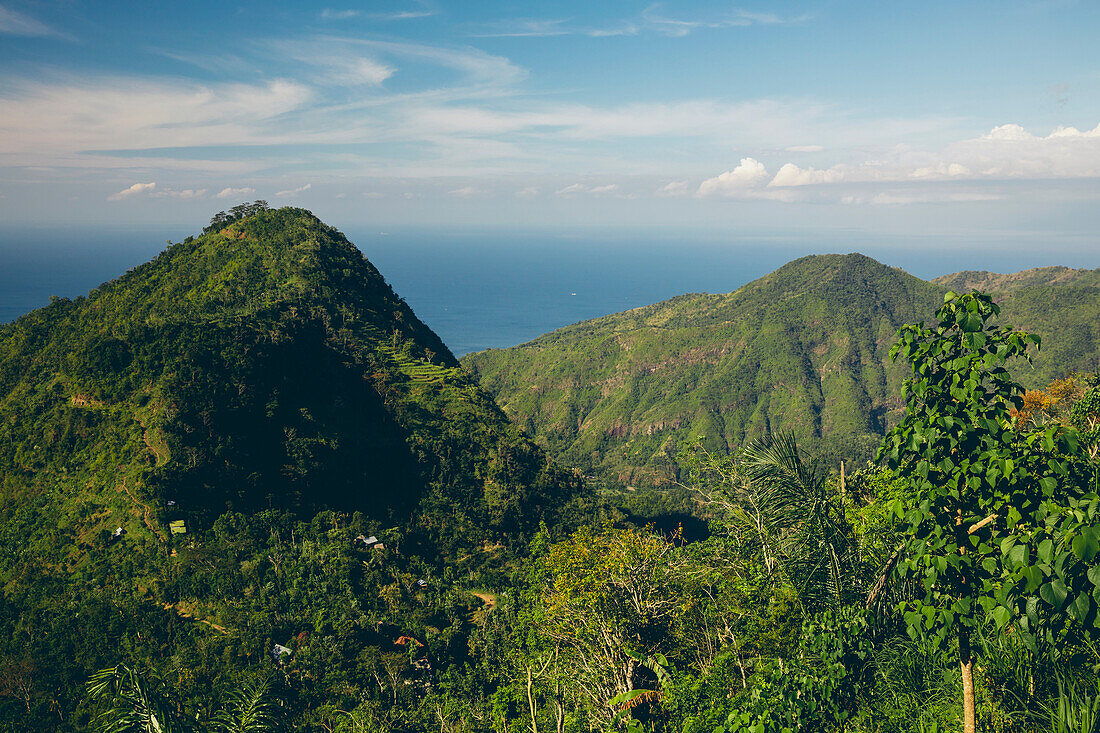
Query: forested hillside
[(804, 348), (199, 412)]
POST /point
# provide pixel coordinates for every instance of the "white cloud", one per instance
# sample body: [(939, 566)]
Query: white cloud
[(942, 170), (747, 175), (369, 71), (135, 190), (805, 149), (791, 175), (372, 195), (1008, 132), (571, 190), (1007, 152), (528, 191), (233, 193), (598, 190), (674, 189), (15, 23), (293, 191), (465, 192)]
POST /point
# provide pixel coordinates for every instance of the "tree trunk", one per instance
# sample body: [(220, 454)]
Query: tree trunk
[(531, 700), (966, 666)]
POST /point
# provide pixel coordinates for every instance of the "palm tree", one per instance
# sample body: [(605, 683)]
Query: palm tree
[(132, 700), (251, 708), (137, 700), (782, 512), (811, 536)]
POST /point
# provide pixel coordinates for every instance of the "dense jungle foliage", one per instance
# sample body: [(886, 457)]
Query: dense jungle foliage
[(262, 369), (328, 528), (805, 349)]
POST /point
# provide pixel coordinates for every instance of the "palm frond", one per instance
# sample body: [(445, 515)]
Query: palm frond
[(251, 708)]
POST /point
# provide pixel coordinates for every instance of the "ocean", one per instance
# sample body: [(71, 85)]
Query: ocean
[(482, 290)]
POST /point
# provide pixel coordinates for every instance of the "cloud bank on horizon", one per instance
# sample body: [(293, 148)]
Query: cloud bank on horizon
[(667, 113)]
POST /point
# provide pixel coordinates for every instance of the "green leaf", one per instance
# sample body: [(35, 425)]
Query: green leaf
[(1094, 575), (626, 697), (1033, 578), (970, 322), (1045, 551), (1001, 615), (1085, 545), (1054, 593), (1079, 609)]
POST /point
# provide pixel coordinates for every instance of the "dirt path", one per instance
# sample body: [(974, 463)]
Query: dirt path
[(184, 614), (147, 511), (487, 599)]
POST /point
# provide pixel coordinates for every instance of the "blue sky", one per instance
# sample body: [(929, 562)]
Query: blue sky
[(934, 118)]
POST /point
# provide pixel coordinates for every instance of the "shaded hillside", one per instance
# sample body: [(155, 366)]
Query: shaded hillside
[(995, 282), (1066, 313), (265, 365), (804, 348)]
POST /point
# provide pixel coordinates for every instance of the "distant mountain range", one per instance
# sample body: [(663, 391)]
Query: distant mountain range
[(804, 348)]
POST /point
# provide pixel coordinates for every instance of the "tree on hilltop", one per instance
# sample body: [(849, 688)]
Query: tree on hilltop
[(241, 211)]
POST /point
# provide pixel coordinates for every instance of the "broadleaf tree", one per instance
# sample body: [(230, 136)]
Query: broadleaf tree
[(994, 514)]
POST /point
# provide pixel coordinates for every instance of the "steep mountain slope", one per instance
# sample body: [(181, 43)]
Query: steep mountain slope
[(267, 364), (805, 348), (242, 408)]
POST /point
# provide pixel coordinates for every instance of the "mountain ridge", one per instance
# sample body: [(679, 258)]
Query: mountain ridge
[(1001, 283), (802, 348)]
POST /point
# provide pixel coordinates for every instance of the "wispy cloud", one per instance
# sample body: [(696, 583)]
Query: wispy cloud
[(293, 191), (673, 189), (527, 28), (331, 14), (571, 190), (187, 193), (14, 23), (575, 189), (653, 19), (233, 193), (466, 192), (108, 113)]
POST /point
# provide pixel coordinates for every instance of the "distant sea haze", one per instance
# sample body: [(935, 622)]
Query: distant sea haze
[(481, 291)]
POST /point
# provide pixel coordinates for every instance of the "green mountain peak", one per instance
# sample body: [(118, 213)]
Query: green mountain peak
[(265, 364), (804, 348)]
